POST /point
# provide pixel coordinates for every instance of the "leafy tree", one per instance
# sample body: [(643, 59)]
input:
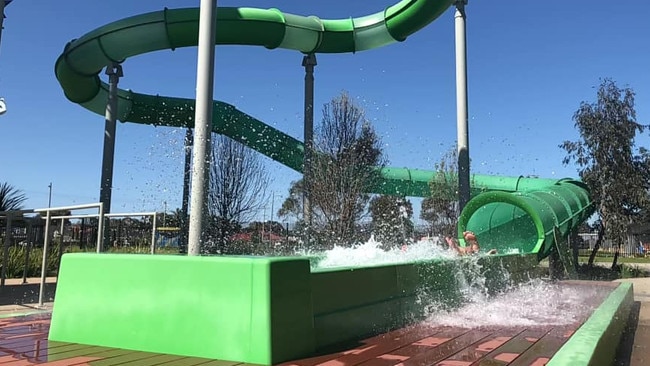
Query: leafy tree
[(616, 172), (391, 219), (237, 190), (11, 198), (347, 150), (292, 205), (175, 218), (441, 209)]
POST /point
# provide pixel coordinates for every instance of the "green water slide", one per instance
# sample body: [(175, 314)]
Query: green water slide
[(504, 210)]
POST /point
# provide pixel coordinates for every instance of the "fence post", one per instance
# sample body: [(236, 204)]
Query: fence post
[(5, 251), (44, 265), (30, 238)]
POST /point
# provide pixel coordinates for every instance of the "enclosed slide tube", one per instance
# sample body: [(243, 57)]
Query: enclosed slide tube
[(525, 220), (500, 205)]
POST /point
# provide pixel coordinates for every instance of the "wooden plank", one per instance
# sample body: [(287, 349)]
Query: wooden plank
[(362, 354), (79, 360), (119, 357), (223, 363), (428, 350), (361, 346), (42, 353), (154, 360), (546, 346), (514, 347), (189, 361), (86, 351), (476, 351)]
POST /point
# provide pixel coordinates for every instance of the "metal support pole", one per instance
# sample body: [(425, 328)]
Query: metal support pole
[(7, 243), (186, 187), (461, 105), (3, 4), (46, 243), (114, 72), (202, 123), (2, 17), (100, 228), (153, 235), (308, 62)]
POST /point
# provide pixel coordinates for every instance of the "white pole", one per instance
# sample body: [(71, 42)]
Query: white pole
[(202, 123), (41, 290), (461, 105)]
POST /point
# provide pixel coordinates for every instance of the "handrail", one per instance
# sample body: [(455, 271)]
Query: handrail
[(48, 218)]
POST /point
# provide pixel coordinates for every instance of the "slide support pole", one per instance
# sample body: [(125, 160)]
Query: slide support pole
[(185, 203), (308, 62), (202, 124), (461, 105), (114, 72)]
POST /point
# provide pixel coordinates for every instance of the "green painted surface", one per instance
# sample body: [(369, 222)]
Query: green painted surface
[(596, 341), (255, 310)]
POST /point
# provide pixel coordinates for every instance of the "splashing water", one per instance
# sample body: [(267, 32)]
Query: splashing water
[(536, 303), (371, 253)]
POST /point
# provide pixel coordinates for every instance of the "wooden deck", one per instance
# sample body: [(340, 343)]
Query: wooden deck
[(23, 341)]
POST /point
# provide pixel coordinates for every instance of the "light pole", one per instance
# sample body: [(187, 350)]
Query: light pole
[(308, 62), (461, 104), (49, 199), (3, 4), (202, 123)]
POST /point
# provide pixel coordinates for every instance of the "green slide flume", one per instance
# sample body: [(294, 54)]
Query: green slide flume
[(510, 201)]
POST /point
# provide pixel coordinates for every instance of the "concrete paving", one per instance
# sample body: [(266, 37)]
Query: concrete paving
[(18, 297), (640, 344)]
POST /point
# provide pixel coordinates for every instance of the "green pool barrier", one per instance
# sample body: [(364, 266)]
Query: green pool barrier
[(251, 309)]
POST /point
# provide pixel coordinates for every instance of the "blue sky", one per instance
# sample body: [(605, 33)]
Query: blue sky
[(530, 65)]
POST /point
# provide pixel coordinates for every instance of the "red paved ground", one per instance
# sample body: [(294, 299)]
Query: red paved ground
[(23, 341)]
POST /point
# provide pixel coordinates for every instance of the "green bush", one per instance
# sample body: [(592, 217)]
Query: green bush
[(16, 262), (16, 258)]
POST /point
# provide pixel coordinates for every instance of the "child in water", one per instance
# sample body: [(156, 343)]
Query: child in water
[(471, 247)]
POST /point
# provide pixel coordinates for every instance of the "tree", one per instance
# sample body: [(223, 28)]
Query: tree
[(237, 190), (347, 152), (292, 205), (441, 209), (617, 173), (391, 219), (11, 198)]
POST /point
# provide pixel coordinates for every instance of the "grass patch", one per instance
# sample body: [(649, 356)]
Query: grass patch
[(620, 259)]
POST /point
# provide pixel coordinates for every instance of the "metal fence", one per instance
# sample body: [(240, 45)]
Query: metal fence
[(634, 246)]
